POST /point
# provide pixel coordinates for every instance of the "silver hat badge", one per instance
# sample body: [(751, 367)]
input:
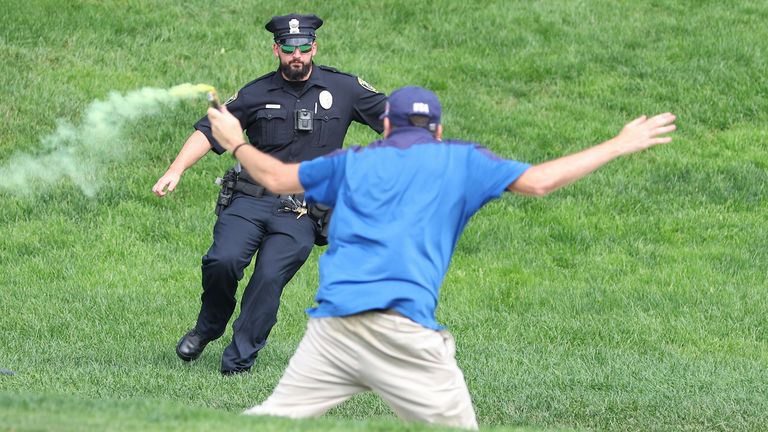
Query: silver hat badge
[(294, 25)]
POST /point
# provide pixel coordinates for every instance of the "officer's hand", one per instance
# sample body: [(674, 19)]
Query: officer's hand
[(225, 127), (166, 183), (643, 132)]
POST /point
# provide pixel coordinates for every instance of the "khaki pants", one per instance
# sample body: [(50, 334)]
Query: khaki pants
[(411, 367)]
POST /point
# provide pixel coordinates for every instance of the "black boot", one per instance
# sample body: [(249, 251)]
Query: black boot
[(237, 371), (191, 345)]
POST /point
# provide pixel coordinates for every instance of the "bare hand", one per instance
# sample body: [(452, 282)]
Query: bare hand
[(643, 132), (225, 127), (166, 183)]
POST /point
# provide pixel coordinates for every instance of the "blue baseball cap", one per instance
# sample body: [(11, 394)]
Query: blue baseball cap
[(412, 101)]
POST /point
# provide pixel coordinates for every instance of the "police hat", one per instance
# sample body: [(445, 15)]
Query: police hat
[(412, 101), (294, 29)]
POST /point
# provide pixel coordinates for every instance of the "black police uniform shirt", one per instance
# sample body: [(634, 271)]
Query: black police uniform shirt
[(266, 109)]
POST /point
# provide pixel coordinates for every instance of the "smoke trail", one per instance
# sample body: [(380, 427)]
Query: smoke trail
[(81, 153)]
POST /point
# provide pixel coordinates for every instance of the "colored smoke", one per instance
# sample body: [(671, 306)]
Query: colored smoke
[(82, 153)]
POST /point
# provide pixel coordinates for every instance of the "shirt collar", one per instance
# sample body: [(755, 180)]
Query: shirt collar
[(316, 78), (406, 136)]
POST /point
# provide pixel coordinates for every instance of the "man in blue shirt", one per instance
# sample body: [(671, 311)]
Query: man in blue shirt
[(400, 205)]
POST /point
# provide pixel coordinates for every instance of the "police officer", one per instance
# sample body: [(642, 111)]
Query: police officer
[(296, 113)]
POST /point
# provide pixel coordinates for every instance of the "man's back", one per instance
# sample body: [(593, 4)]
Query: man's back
[(400, 206), (417, 194)]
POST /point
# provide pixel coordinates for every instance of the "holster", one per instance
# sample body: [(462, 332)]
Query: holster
[(227, 184), (322, 216), (231, 183)]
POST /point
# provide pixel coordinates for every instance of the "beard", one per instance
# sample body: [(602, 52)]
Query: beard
[(293, 73)]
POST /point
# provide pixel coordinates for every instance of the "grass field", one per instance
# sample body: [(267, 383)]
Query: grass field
[(634, 300)]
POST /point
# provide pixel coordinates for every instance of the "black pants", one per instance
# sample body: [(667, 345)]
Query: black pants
[(249, 224)]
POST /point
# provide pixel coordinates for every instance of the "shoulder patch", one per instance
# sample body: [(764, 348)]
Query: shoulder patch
[(364, 84), (231, 98)]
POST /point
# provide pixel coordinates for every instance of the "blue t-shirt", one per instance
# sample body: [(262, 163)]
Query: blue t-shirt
[(400, 205)]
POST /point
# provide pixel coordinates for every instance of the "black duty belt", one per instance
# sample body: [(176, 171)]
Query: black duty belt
[(259, 191), (253, 190)]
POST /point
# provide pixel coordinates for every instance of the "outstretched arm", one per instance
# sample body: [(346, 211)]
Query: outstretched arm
[(637, 135), (194, 149), (276, 176)]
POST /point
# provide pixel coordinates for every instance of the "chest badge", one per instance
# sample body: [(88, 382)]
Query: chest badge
[(326, 99)]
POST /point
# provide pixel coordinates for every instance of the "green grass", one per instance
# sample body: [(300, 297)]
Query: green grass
[(632, 300)]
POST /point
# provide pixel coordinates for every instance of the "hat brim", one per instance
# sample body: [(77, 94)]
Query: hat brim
[(294, 40)]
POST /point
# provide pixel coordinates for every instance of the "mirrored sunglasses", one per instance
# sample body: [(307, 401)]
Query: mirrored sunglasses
[(289, 49)]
